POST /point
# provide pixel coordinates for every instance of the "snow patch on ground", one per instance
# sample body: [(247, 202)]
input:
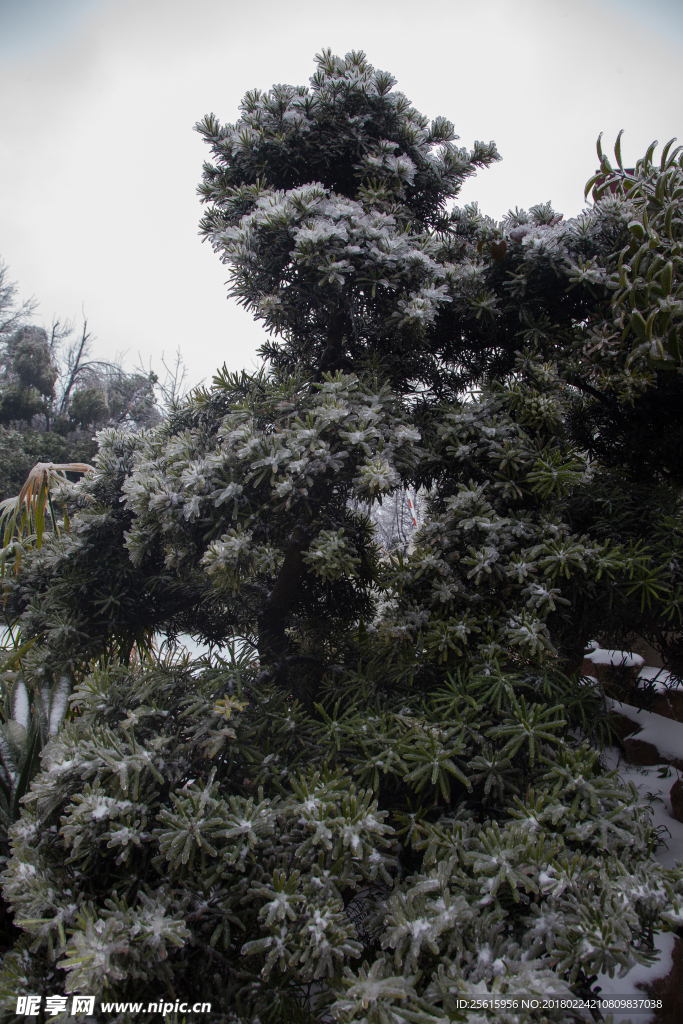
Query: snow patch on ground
[(654, 790), (627, 988)]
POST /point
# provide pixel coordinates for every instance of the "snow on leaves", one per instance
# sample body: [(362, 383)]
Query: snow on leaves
[(286, 463), (268, 877)]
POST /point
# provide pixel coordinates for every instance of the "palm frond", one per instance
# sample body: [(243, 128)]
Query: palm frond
[(23, 519)]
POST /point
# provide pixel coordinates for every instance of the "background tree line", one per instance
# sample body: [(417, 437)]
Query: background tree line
[(54, 395)]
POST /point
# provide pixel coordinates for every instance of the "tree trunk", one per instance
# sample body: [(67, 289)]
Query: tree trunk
[(333, 355), (272, 619)]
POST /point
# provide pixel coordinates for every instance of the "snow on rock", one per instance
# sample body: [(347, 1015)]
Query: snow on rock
[(661, 678), (662, 733), (601, 656)]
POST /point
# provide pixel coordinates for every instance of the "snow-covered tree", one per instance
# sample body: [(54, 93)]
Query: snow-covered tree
[(383, 791)]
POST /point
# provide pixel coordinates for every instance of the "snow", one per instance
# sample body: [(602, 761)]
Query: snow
[(58, 709), (662, 679), (664, 733), (655, 793), (20, 708), (667, 736), (627, 987), (601, 656)]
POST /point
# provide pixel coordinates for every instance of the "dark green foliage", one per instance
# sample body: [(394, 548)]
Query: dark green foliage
[(332, 133), (82, 590), (216, 833), (28, 376), (30, 354), (647, 278), (348, 264), (23, 734), (88, 406)]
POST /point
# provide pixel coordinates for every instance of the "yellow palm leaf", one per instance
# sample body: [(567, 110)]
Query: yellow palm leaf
[(22, 519)]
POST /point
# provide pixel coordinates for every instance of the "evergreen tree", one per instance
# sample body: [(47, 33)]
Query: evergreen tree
[(383, 791)]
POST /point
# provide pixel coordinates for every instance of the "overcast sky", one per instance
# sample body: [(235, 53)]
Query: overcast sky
[(99, 164)]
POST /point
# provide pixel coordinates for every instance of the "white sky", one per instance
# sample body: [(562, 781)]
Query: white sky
[(99, 163)]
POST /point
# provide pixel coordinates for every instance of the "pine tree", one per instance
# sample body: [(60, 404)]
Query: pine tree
[(383, 792)]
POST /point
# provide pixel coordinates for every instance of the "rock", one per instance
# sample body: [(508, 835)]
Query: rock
[(670, 989), (658, 741), (622, 726), (641, 752), (675, 698), (670, 705), (676, 795), (617, 679)]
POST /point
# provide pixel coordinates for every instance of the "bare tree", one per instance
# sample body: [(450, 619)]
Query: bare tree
[(74, 364), (174, 388), (12, 316)]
